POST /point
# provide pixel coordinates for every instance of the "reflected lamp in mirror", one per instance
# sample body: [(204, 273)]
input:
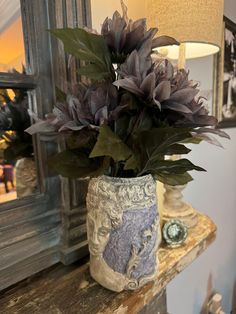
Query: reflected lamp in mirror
[(197, 25)]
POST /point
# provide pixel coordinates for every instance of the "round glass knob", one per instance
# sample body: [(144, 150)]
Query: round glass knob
[(175, 232)]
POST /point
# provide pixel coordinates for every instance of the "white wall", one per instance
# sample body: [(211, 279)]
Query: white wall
[(212, 193)]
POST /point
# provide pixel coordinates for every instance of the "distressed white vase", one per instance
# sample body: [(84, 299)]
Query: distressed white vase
[(123, 231)]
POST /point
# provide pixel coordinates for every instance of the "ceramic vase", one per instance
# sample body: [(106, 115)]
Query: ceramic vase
[(26, 177), (123, 231)]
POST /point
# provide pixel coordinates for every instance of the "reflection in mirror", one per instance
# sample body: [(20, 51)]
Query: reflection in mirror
[(11, 36), (18, 177)]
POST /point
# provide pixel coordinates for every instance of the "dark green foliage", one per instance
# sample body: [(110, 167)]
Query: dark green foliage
[(109, 144), (87, 47), (174, 179), (75, 163), (150, 148), (133, 114), (14, 119)]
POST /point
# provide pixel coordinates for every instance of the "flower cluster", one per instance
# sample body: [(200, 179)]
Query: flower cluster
[(14, 119), (134, 111)]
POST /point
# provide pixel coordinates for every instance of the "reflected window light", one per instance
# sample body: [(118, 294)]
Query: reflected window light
[(12, 53)]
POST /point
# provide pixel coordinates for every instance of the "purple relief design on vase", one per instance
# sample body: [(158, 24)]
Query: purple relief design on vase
[(123, 231), (131, 247)]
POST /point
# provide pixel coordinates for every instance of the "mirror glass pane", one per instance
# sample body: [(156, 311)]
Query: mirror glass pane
[(18, 176), (12, 55)]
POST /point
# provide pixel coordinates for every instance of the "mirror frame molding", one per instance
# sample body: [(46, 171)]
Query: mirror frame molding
[(50, 226)]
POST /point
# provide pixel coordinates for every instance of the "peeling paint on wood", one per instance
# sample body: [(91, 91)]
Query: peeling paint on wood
[(63, 290), (84, 284), (121, 310)]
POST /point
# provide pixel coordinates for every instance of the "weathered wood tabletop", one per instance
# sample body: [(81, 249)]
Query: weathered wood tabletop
[(70, 289)]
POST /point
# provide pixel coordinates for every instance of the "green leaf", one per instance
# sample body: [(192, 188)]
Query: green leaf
[(132, 163), (94, 72), (159, 140), (122, 125), (83, 139), (83, 45), (87, 47), (145, 122), (174, 179), (76, 164), (17, 150), (130, 100), (60, 95), (154, 144), (192, 140), (172, 166), (178, 149), (109, 144)]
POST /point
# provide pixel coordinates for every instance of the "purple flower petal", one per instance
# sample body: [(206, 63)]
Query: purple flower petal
[(162, 91), (129, 85), (185, 95)]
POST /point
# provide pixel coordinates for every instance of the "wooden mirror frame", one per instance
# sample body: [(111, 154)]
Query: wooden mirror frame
[(45, 228)]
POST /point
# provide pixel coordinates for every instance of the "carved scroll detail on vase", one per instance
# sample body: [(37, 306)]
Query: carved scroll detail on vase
[(122, 229), (130, 192)]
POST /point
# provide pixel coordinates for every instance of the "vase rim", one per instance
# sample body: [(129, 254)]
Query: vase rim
[(127, 179)]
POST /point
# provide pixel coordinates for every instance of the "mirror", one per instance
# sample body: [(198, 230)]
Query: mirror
[(12, 52), (18, 175)]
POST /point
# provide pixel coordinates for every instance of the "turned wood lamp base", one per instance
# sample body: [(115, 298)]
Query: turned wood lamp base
[(174, 207)]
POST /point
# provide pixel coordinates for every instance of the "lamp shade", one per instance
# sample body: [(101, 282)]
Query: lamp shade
[(197, 23)]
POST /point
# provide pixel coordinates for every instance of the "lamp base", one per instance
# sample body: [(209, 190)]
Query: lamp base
[(188, 216), (174, 206)]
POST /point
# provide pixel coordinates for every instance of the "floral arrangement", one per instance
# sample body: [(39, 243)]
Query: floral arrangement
[(14, 119), (134, 111)]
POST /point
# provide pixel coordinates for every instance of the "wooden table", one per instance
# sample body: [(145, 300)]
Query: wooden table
[(70, 289)]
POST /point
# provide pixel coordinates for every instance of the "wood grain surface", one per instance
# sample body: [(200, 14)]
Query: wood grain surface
[(70, 289)]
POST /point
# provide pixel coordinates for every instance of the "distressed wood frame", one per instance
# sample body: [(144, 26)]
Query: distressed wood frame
[(45, 228), (218, 76)]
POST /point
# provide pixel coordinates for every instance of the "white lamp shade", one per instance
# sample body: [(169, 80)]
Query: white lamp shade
[(197, 23)]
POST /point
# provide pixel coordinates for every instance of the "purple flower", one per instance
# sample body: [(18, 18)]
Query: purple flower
[(84, 106), (124, 35)]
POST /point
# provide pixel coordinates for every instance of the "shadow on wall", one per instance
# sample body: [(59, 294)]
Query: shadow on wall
[(209, 293), (234, 299)]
